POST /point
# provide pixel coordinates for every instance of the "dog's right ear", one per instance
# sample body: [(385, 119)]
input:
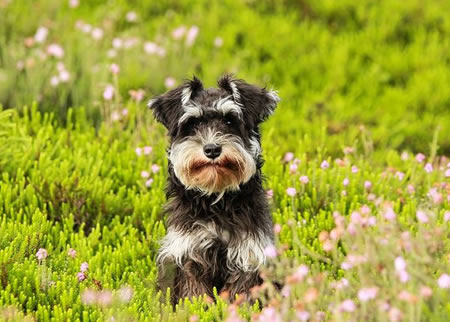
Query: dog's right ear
[(169, 107)]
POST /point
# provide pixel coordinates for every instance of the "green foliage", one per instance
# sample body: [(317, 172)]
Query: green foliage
[(360, 82)]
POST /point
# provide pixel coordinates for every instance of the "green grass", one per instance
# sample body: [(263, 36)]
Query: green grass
[(368, 75)]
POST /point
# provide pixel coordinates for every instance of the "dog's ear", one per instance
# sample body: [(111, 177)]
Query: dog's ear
[(168, 107), (258, 103)]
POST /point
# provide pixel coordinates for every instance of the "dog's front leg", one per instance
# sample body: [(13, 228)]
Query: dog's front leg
[(240, 282), (190, 281)]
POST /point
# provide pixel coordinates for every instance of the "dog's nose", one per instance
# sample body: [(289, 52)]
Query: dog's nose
[(212, 151)]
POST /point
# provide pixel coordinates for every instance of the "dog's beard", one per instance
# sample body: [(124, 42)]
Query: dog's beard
[(233, 167)]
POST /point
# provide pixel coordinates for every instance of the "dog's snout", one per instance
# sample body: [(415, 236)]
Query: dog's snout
[(212, 151)]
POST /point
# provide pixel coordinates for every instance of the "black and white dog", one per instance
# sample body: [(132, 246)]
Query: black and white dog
[(218, 217)]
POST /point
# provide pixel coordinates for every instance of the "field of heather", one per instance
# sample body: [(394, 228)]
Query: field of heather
[(357, 155)]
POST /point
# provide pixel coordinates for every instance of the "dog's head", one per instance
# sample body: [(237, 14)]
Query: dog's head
[(215, 141)]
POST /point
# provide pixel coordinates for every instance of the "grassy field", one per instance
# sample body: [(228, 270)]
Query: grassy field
[(357, 154)]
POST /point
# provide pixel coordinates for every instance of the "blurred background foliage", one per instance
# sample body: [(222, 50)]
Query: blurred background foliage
[(341, 67)]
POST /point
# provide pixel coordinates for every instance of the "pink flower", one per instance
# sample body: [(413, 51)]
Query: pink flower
[(324, 165), (145, 174), (155, 168), (81, 276), (422, 216), (84, 267), (170, 82), (97, 33), (131, 16), (289, 156), (367, 185), (404, 156), (179, 32), (366, 294), (150, 47), (54, 81), (291, 191), (114, 68), (447, 216), (405, 296), (347, 306), (147, 150), (410, 189), (395, 315), (72, 252), (400, 175), (269, 193), (55, 50), (41, 254), (74, 3), (389, 214), (191, 35), (345, 182), (286, 290), (41, 34), (125, 112), (444, 281), (349, 150), (270, 251), (138, 151), (125, 294), (426, 291), (300, 273), (64, 76), (293, 168), (137, 95), (355, 169), (108, 93), (115, 116), (428, 168), (117, 43), (303, 315), (304, 179), (400, 264), (269, 314), (149, 182), (420, 157), (403, 276), (218, 42), (277, 228), (104, 298)]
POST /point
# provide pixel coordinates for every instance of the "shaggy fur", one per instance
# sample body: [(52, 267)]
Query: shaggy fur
[(218, 218)]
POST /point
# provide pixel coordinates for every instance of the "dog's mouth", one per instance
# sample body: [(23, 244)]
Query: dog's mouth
[(221, 164)]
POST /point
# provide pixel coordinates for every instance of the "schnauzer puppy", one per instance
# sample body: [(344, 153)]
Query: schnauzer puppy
[(218, 217)]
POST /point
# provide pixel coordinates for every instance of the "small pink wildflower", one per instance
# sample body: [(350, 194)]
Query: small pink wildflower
[(84, 267), (269, 194), (403, 276), (97, 33), (355, 169), (410, 188), (138, 151), (147, 150), (191, 35), (367, 185), (137, 95), (88, 297), (218, 42), (303, 315), (124, 112), (145, 174), (131, 16), (277, 228), (426, 291), (41, 34), (115, 116), (344, 193), (170, 82), (64, 76), (444, 281), (328, 245), (125, 294), (404, 156), (400, 175), (108, 93), (155, 168), (349, 150), (41, 254), (149, 182), (269, 314), (54, 81), (324, 165), (114, 68), (270, 251), (150, 47), (117, 43), (345, 182), (304, 179), (291, 191), (347, 306), (447, 216), (389, 214), (72, 252), (366, 294), (81, 276), (428, 168), (395, 315), (179, 32), (286, 290), (400, 264), (289, 156), (104, 298), (74, 3), (293, 168), (422, 216), (447, 173), (420, 157), (55, 50)]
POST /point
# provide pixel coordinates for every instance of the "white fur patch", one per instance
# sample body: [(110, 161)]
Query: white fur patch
[(190, 110), (151, 102), (186, 95), (236, 95), (273, 95), (255, 147), (225, 105), (244, 253)]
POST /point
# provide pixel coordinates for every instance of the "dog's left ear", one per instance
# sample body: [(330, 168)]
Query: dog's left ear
[(168, 107), (259, 103)]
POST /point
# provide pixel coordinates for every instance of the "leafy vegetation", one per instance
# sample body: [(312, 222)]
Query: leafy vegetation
[(355, 154)]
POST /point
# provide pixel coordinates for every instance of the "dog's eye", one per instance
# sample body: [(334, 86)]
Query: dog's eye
[(229, 120)]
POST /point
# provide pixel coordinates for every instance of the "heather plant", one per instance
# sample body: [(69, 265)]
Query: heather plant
[(357, 168)]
